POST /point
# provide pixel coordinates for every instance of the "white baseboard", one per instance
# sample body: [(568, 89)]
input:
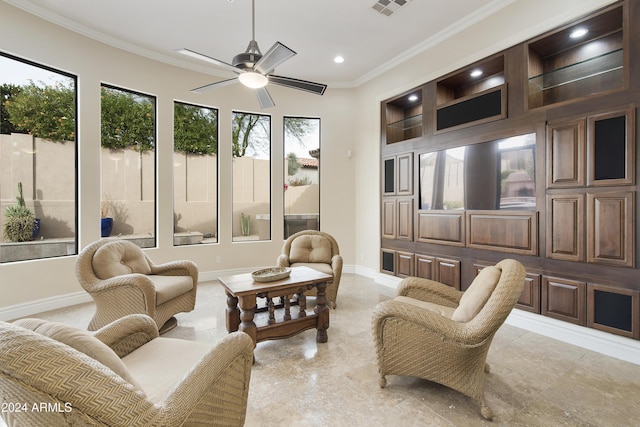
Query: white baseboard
[(592, 339), (46, 304)]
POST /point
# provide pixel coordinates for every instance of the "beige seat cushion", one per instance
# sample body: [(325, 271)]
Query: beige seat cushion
[(310, 249), (82, 341), (429, 306), (162, 362), (321, 267), (169, 287), (477, 295), (118, 258)]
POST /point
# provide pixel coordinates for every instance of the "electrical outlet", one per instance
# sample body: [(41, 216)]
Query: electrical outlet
[(218, 259)]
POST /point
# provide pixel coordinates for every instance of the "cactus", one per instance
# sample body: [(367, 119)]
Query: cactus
[(245, 222), (19, 221)]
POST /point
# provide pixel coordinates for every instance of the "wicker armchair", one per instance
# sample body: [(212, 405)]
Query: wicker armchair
[(63, 376), (416, 335), (123, 280), (316, 250)]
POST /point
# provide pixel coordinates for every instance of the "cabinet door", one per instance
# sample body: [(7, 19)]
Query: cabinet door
[(610, 218), (404, 164), (448, 272), (566, 154), (530, 298), (388, 218), (404, 264), (611, 148), (405, 219), (565, 227), (425, 266), (564, 299)]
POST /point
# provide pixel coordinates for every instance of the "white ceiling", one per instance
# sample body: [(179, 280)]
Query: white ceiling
[(317, 30)]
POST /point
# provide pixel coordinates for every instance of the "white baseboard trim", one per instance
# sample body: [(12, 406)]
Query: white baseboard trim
[(626, 349), (592, 339), (46, 304)]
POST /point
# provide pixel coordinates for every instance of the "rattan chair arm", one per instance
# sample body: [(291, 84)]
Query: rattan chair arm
[(429, 290), (336, 263), (447, 329), (135, 280), (176, 268), (128, 333), (283, 260), (217, 386)]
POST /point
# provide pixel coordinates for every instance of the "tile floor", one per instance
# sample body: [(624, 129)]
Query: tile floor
[(534, 380)]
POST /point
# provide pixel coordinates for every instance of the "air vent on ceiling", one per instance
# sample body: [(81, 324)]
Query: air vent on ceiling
[(387, 7)]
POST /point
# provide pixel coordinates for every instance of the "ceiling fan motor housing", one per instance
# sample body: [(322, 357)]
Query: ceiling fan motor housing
[(246, 60)]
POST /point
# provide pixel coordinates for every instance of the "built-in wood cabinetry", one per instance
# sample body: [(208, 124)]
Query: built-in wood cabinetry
[(572, 219)]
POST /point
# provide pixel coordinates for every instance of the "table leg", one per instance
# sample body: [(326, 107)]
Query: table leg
[(233, 313), (323, 313), (247, 307), (302, 302)]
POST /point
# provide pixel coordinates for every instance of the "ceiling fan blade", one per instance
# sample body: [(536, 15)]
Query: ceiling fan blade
[(317, 88), (264, 98), (276, 55), (221, 83), (206, 58)]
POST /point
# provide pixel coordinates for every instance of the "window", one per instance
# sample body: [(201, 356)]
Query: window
[(301, 175), (195, 174), (128, 166), (38, 155), (251, 139)]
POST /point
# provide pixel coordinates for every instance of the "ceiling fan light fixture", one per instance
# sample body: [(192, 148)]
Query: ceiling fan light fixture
[(253, 80)]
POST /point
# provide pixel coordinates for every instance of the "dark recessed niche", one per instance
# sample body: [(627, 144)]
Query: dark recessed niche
[(471, 110), (610, 148), (388, 259), (389, 176), (613, 310)]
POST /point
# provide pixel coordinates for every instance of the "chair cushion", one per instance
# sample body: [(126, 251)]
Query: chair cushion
[(478, 293), (442, 310), (118, 258), (82, 341), (169, 287), (310, 248), (161, 363), (321, 267)]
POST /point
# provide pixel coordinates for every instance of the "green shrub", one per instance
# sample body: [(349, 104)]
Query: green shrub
[(18, 224)]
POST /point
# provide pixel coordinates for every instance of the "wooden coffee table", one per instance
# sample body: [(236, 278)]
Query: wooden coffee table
[(277, 320)]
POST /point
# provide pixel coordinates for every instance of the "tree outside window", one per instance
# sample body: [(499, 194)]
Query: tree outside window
[(195, 174), (128, 123), (37, 161), (251, 140)]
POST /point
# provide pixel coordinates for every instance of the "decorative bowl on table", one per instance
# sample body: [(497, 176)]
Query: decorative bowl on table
[(271, 274)]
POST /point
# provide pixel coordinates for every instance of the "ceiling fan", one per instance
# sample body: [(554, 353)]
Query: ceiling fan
[(254, 69)]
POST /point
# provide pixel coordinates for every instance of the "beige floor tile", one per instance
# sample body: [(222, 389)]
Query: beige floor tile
[(534, 381)]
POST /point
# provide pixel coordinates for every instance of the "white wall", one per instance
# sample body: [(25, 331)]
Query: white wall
[(94, 63)]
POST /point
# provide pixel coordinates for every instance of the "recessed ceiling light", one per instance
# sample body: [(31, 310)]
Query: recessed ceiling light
[(413, 98), (578, 32), (476, 73), (338, 59)]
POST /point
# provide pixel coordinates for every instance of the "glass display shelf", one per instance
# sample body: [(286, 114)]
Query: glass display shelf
[(407, 123), (592, 67)]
